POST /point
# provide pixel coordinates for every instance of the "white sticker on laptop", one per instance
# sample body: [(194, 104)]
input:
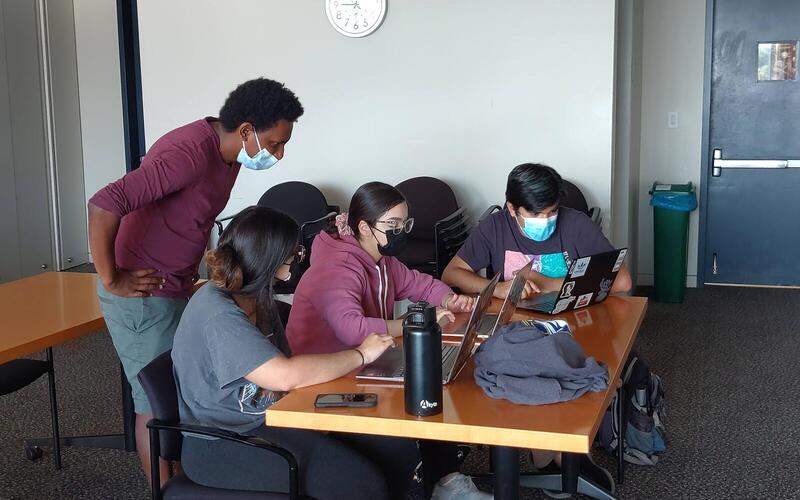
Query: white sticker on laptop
[(568, 286), (583, 300), (562, 305), (580, 267), (620, 260)]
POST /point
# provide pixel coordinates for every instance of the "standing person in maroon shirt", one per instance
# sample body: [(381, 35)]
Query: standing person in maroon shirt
[(148, 230)]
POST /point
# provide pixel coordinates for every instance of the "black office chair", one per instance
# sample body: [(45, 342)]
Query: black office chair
[(158, 382), (19, 373), (440, 225), (573, 198), (308, 207)]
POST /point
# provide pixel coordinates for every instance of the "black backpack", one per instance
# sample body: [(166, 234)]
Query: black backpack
[(645, 439)]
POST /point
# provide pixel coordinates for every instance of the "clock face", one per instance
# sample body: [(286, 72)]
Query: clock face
[(355, 18)]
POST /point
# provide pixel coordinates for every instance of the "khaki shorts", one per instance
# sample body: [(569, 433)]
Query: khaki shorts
[(141, 329)]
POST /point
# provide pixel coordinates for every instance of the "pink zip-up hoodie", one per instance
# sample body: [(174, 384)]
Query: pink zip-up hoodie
[(344, 296)]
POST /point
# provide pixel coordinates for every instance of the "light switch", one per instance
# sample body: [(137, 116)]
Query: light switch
[(672, 119)]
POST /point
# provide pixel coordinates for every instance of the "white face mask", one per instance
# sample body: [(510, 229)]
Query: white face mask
[(261, 161)]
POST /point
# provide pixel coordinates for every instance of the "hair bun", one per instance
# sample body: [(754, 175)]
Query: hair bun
[(224, 268)]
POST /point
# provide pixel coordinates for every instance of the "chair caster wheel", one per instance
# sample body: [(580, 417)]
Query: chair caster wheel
[(33, 453)]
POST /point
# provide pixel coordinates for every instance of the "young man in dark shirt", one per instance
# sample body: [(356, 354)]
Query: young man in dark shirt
[(148, 230), (533, 227)]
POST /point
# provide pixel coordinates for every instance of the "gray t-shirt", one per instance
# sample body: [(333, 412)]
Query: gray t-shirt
[(215, 347)]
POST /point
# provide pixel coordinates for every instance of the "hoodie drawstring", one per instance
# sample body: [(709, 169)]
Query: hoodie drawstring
[(383, 290)]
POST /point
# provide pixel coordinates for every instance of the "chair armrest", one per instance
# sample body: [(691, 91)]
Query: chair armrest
[(594, 214), (155, 425), (329, 215), (219, 222), (489, 211), (455, 215)]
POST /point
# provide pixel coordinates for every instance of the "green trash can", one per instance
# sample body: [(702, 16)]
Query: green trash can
[(671, 206)]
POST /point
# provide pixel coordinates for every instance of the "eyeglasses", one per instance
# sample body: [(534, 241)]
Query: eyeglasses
[(397, 227), (299, 256)]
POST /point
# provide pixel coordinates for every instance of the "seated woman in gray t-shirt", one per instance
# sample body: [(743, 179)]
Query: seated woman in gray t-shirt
[(232, 362)]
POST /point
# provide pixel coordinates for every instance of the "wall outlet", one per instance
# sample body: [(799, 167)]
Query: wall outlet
[(672, 119)]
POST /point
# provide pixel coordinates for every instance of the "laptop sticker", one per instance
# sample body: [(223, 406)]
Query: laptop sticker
[(605, 284), (619, 261), (568, 286), (601, 296), (581, 265), (563, 304), (584, 317), (584, 300)]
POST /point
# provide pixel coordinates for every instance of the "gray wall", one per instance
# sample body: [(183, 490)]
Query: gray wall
[(41, 167), (66, 119), (26, 166)]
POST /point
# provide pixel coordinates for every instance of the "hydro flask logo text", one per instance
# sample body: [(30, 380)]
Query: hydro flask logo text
[(425, 404)]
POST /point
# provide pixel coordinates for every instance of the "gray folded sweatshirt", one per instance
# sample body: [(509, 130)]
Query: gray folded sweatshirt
[(525, 365)]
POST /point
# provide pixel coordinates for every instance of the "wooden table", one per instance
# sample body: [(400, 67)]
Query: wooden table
[(46, 310), (606, 331)]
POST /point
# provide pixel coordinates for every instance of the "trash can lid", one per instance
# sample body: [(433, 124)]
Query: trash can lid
[(659, 187)]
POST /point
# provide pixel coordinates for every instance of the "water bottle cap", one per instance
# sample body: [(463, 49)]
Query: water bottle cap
[(421, 313)]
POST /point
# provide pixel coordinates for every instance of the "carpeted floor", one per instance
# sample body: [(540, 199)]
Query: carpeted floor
[(727, 357)]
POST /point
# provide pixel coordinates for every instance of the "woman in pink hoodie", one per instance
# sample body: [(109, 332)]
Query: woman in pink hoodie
[(349, 292), (355, 279)]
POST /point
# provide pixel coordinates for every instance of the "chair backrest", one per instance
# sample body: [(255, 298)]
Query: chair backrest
[(450, 235), (308, 207), (301, 200), (429, 200), (158, 382), (573, 197)]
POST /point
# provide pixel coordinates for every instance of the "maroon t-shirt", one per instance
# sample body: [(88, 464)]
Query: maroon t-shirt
[(168, 205)]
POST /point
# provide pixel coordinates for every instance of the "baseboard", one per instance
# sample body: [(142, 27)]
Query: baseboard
[(649, 280)]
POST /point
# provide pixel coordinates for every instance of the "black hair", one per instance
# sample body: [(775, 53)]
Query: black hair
[(260, 102), (251, 249), (534, 187), (370, 201)]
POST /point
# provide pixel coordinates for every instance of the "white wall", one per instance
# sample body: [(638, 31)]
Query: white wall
[(449, 88), (102, 131), (672, 80)]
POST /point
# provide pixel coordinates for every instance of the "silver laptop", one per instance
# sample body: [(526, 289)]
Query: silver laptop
[(391, 365), (490, 322)]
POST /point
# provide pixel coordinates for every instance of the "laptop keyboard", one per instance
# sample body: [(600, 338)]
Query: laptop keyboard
[(448, 351)]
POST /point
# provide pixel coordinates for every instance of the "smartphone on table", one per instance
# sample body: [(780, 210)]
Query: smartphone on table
[(351, 400)]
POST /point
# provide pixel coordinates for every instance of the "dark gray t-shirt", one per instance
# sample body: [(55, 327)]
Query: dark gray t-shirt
[(498, 243), (215, 347)]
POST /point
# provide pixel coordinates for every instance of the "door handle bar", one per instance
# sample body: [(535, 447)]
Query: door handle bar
[(718, 164)]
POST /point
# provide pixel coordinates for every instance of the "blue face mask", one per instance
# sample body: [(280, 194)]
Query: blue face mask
[(539, 229), (261, 161)]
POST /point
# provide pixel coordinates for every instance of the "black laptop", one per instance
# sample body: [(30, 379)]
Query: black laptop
[(588, 281)]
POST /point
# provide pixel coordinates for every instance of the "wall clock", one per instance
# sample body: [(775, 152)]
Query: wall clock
[(355, 18)]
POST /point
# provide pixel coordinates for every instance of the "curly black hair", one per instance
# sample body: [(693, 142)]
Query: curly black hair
[(261, 102)]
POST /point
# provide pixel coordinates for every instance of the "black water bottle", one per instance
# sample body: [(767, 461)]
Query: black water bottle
[(422, 343)]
